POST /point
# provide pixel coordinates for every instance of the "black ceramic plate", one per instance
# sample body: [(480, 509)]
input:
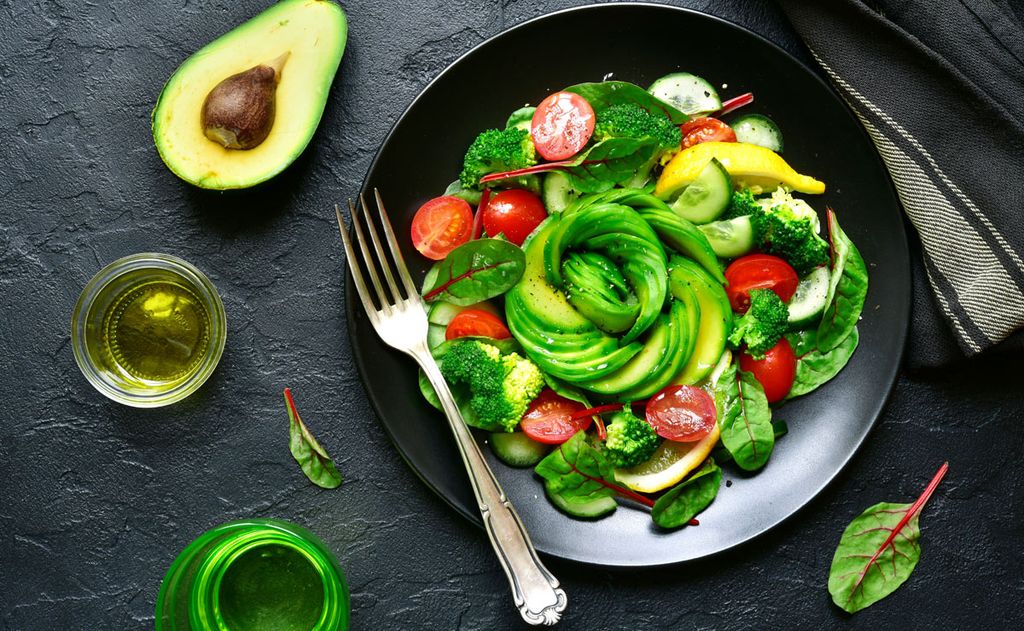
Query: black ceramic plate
[(640, 43)]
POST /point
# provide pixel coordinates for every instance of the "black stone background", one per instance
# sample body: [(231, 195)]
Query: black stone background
[(96, 499)]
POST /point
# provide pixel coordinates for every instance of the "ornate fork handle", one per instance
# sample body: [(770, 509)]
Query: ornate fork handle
[(536, 592)]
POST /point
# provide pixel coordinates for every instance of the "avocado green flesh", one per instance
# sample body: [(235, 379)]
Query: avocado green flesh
[(313, 33), (715, 317), (597, 289), (685, 238), (607, 255), (654, 367)]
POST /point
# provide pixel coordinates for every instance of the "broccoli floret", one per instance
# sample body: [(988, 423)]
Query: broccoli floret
[(496, 151), (629, 120), (783, 226), (742, 204), (630, 439), (763, 324), (500, 386)]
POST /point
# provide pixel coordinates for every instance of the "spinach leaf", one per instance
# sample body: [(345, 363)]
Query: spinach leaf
[(476, 271), (315, 462), (779, 429), (608, 163), (878, 551), (744, 418), (574, 478), (566, 390), (607, 93), (814, 368), (803, 341), (685, 500), (847, 290)]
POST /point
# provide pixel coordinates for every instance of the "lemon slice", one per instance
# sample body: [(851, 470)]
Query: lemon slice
[(749, 165), (668, 466)]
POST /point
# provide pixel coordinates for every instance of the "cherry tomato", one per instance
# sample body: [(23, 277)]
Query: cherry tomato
[(549, 418), (758, 271), (477, 323), (684, 414), (441, 225), (776, 371), (562, 125), (705, 129), (515, 212)]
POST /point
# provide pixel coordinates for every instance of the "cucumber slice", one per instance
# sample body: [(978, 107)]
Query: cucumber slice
[(729, 238), (435, 335), (686, 92), (558, 192), (707, 197), (443, 313), (810, 299), (758, 129), (516, 449)]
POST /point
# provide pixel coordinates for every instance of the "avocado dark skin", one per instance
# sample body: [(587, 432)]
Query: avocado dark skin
[(238, 113)]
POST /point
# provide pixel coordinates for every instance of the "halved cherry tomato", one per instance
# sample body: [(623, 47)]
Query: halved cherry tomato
[(562, 125), (684, 414), (441, 225), (705, 129), (776, 371), (515, 212), (549, 418), (758, 271), (477, 323)]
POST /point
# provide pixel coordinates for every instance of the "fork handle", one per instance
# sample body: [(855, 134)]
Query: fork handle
[(536, 592)]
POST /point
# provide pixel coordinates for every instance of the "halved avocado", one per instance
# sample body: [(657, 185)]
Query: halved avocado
[(313, 33)]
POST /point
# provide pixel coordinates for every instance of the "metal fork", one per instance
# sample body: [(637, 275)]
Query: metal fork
[(401, 321)]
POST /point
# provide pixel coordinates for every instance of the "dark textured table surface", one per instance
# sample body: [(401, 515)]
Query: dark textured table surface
[(96, 499)]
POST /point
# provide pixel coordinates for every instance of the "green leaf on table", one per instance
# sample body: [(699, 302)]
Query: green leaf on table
[(608, 163), (847, 289), (575, 475), (744, 418), (687, 499), (814, 368), (607, 93), (313, 459), (475, 271), (878, 551)]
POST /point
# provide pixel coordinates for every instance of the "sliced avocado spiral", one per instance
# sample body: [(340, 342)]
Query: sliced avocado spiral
[(594, 306)]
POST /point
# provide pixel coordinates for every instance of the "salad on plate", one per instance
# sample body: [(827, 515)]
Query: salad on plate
[(627, 284)]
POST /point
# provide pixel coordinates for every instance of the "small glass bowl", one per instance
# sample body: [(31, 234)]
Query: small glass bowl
[(196, 596), (87, 322)]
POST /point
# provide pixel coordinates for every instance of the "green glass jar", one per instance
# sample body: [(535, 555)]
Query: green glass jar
[(254, 575)]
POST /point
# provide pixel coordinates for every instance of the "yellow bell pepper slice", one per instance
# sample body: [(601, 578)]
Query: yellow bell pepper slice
[(749, 165)]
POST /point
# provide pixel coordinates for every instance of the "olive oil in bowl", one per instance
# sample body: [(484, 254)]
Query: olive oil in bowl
[(148, 330)]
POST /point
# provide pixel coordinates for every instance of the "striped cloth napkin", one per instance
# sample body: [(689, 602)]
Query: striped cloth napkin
[(939, 86)]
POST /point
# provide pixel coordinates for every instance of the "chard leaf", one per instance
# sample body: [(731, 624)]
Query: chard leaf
[(608, 163), (847, 290), (475, 271), (744, 418), (803, 341), (878, 551), (313, 459), (814, 368), (574, 478), (687, 499), (607, 93)]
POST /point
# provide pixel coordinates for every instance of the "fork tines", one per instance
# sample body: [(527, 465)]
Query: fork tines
[(385, 295)]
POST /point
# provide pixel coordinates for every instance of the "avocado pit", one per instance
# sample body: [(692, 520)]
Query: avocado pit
[(239, 112)]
